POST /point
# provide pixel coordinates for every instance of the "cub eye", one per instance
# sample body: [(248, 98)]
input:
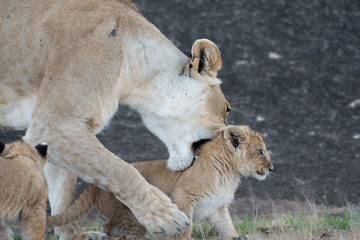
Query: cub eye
[(261, 152)]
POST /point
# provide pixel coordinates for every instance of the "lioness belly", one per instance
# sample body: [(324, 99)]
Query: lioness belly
[(16, 108), (22, 61)]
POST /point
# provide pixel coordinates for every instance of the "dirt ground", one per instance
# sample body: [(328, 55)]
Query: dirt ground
[(291, 70)]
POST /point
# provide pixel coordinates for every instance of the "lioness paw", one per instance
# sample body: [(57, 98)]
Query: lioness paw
[(160, 215)]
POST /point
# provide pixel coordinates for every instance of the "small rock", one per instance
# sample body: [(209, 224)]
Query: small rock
[(273, 55), (355, 103), (260, 118), (241, 62)]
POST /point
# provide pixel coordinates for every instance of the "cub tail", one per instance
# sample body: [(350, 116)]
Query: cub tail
[(79, 208)]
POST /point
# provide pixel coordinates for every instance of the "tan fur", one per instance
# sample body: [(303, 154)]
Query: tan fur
[(202, 191), (23, 191), (64, 68), (206, 51)]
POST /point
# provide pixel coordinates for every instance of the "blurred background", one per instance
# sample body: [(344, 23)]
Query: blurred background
[(291, 70)]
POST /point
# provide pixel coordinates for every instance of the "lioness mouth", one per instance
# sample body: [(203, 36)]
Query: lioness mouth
[(196, 145), (260, 173)]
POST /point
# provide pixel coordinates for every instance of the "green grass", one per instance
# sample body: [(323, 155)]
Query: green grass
[(324, 224), (298, 225), (16, 237), (202, 230)]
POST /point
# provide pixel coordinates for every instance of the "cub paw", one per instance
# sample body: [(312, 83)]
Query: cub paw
[(92, 235), (159, 215)]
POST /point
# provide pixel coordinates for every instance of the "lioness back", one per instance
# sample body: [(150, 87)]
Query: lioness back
[(23, 189), (203, 191)]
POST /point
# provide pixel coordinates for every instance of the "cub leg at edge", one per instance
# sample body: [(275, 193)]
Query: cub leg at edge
[(5, 233), (33, 219), (185, 206)]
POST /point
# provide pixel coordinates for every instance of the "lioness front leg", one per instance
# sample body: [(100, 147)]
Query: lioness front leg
[(83, 155)]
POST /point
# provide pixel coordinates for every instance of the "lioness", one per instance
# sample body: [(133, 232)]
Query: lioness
[(202, 191), (64, 68), (23, 189)]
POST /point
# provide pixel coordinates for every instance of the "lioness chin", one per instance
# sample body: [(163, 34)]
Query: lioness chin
[(203, 191)]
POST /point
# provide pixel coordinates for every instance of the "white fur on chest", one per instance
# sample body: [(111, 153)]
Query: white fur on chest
[(223, 196), (16, 109)]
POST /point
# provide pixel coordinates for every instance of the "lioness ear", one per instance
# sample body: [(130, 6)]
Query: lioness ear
[(232, 136), (2, 146), (205, 59), (42, 149)]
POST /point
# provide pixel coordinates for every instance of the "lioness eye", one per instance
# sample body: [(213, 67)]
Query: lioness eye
[(261, 152)]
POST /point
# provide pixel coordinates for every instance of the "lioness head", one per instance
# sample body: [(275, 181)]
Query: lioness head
[(196, 107), (248, 151), (20, 148)]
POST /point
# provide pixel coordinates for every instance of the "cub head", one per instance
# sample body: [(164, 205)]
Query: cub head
[(196, 108), (248, 151), (20, 148)]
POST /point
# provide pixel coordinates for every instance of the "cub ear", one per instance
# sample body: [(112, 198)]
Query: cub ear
[(233, 136), (2, 146), (42, 149), (205, 59)]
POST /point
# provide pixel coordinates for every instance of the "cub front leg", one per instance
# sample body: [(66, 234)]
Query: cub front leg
[(5, 233), (33, 219), (223, 224), (184, 204)]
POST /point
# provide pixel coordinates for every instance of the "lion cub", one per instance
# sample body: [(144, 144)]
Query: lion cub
[(23, 189), (203, 191)]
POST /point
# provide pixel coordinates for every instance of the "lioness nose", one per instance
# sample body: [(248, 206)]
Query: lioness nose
[(271, 168)]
